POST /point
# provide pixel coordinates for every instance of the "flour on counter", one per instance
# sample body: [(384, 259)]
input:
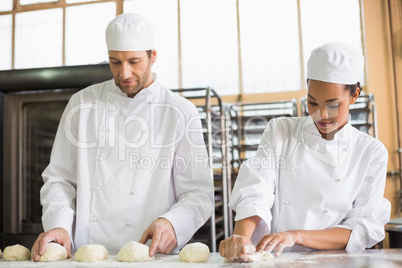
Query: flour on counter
[(256, 257)]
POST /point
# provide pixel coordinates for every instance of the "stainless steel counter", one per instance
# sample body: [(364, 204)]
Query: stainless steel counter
[(327, 259)]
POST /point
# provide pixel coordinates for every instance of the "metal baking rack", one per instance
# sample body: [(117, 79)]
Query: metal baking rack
[(214, 124)]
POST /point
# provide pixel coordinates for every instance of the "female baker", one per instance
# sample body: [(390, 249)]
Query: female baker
[(316, 182)]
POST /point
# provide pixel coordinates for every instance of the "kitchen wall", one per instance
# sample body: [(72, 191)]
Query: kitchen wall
[(382, 84)]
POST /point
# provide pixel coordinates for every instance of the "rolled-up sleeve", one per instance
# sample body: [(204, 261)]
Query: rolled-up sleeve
[(371, 211), (194, 188), (254, 190)]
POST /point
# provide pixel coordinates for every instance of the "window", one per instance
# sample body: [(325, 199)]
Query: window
[(209, 45), (78, 1), (326, 21), (31, 2), (85, 33), (38, 38), (270, 46), (5, 44), (6, 5), (233, 46), (164, 19)]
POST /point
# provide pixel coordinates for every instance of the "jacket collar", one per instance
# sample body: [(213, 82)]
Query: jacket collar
[(327, 151), (311, 130)]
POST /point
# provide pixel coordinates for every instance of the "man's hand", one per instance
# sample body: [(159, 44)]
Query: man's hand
[(56, 235), (163, 237), (236, 248), (277, 242)]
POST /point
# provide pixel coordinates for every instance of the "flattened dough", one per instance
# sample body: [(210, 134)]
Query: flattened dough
[(260, 256), (256, 257), (16, 253), (91, 253), (194, 252), (134, 252), (54, 252)]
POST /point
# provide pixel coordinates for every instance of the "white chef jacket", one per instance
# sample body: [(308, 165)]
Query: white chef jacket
[(119, 163), (300, 181)]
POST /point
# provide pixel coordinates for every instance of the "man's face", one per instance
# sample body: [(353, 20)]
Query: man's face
[(131, 70)]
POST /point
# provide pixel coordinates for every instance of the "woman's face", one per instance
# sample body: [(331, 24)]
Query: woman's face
[(328, 106)]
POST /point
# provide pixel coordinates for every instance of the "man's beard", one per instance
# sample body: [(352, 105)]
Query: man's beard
[(133, 90)]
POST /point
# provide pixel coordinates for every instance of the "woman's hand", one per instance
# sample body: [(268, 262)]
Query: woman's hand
[(236, 248), (277, 242), (327, 239)]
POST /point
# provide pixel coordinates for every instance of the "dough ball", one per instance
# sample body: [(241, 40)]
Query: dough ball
[(91, 253), (194, 252), (54, 252), (16, 253), (134, 252), (1, 254)]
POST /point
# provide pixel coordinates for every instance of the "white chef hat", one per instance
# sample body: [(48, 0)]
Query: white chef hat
[(130, 32), (335, 63)]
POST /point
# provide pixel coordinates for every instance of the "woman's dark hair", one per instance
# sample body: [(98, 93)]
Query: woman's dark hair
[(149, 52), (352, 88)]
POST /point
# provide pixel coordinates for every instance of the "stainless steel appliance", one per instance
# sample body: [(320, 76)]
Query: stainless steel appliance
[(31, 104)]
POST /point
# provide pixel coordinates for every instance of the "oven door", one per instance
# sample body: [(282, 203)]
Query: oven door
[(30, 123)]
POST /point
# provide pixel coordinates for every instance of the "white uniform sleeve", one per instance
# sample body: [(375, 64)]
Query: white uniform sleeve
[(371, 211), (59, 190), (194, 189), (254, 189)]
